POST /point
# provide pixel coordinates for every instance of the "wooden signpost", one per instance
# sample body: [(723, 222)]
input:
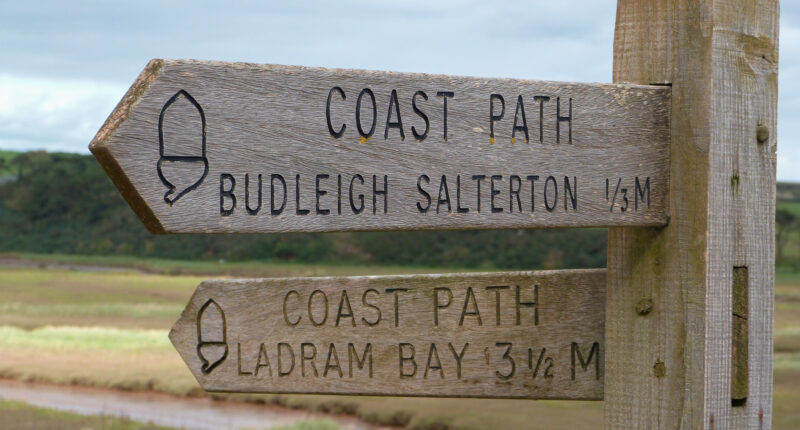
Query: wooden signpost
[(201, 147), (513, 335), (677, 158)]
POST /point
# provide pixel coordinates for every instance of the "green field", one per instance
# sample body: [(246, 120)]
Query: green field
[(222, 267), (791, 206), (6, 167), (53, 320), (8, 155), (791, 250), (19, 416)]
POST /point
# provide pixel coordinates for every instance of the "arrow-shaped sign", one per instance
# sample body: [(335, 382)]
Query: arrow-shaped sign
[(230, 147), (535, 335)]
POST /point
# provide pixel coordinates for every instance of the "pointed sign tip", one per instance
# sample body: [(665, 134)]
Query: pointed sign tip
[(101, 146), (123, 108)]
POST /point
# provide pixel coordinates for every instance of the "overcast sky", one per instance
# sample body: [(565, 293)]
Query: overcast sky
[(65, 64)]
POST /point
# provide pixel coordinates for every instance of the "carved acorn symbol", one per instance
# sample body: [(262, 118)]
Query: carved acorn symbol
[(212, 346), (182, 163)]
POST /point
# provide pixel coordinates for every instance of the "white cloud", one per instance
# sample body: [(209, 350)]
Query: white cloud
[(53, 114), (112, 41), (789, 101), (55, 53)]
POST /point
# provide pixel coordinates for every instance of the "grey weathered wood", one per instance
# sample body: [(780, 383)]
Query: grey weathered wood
[(265, 119), (564, 332), (672, 367)]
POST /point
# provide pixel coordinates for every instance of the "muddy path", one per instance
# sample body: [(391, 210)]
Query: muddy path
[(166, 410)]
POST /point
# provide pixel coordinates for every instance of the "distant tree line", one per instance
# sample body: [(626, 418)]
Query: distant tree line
[(787, 236), (64, 203)]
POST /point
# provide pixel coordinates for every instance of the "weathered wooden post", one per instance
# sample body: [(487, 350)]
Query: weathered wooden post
[(689, 306)]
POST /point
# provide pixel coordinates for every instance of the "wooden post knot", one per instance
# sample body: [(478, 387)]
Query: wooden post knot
[(762, 133), (644, 306), (659, 369)]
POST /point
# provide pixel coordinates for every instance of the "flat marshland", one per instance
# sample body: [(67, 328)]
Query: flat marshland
[(109, 329), (19, 416)]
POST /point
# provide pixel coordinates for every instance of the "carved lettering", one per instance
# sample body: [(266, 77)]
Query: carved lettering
[(433, 354), (440, 304), (458, 357), (534, 304), (421, 114), (336, 134), (512, 366), (263, 360), (353, 354), (345, 302), (226, 194), (371, 306), (282, 346), (497, 289), (396, 292), (470, 308), (406, 353), (332, 364), (285, 314), (577, 358), (312, 354), (318, 293)]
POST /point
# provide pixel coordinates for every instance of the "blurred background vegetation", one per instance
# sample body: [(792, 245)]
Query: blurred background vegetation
[(64, 203)]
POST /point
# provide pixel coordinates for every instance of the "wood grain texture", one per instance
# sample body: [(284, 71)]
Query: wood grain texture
[(672, 367), (214, 119), (543, 339)]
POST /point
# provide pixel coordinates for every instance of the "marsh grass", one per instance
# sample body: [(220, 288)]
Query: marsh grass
[(311, 425), (140, 315), (85, 338), (19, 416), (33, 298), (253, 268)]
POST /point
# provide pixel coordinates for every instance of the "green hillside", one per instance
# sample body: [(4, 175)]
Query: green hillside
[(64, 203)]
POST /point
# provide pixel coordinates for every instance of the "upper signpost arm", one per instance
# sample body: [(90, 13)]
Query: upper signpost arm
[(670, 360), (211, 147)]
